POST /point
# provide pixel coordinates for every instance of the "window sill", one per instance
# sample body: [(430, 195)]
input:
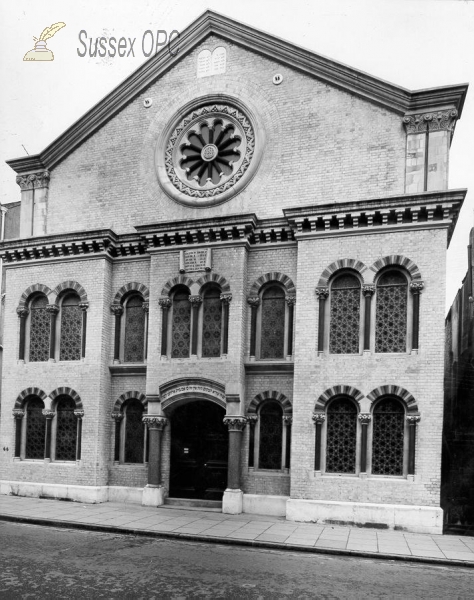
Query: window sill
[(123, 369), (362, 476), (270, 472), (270, 367), (130, 466)]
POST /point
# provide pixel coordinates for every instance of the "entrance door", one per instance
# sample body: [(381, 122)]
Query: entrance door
[(199, 447)]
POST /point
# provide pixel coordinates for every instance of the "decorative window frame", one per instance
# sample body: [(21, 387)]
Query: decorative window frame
[(119, 415), (118, 308)]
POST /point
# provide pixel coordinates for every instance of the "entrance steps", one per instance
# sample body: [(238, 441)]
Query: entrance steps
[(192, 504)]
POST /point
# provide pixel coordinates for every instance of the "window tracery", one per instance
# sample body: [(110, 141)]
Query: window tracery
[(134, 338), (211, 323), (341, 436), (39, 330), (134, 432), (388, 438), (391, 313), (271, 434), (66, 429), (344, 332), (35, 429), (70, 342), (273, 323), (181, 324)]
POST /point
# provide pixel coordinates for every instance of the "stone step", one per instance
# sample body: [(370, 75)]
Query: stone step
[(193, 504)]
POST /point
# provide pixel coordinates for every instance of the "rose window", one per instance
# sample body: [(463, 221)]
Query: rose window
[(209, 155)]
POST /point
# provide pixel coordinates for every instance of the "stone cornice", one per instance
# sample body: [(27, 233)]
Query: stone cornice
[(374, 90)]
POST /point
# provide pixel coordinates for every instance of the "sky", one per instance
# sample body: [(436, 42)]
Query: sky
[(412, 43)]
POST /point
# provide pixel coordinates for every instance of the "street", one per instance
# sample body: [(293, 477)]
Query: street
[(43, 562)]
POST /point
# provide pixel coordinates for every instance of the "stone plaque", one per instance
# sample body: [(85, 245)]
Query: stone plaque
[(204, 64), (195, 260), (219, 60), (211, 63)]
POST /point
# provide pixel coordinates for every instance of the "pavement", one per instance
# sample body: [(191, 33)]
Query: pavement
[(244, 530)]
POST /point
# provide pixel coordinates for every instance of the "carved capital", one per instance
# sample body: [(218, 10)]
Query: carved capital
[(416, 287), (252, 420), (48, 413), (33, 180), (52, 309), (318, 418), (146, 307), (322, 293), (413, 419), (364, 418), (18, 413), (195, 300), (287, 419), (441, 120), (155, 422), (165, 303), (254, 301), (84, 306), (226, 298), (116, 309), (235, 423), (368, 289), (290, 300), (22, 312), (117, 416), (79, 414)]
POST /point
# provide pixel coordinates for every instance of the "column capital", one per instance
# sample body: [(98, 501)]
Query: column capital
[(79, 414), (84, 306), (116, 309), (322, 293), (288, 419), (252, 419), (416, 287), (290, 300), (226, 298), (254, 301), (22, 312), (146, 307), (440, 120), (318, 417), (165, 303), (368, 289), (195, 300), (413, 419), (18, 413), (33, 180), (117, 416), (364, 418), (48, 413), (235, 423), (155, 422), (52, 309)]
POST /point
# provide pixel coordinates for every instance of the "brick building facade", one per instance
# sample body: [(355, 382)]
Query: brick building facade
[(242, 247)]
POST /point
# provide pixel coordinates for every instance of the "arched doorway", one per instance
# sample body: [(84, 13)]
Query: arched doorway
[(199, 449)]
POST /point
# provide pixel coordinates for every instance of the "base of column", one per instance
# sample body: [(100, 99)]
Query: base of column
[(153, 495), (232, 502)]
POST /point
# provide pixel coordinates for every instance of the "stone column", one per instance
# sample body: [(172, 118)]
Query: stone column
[(117, 310), (153, 493), (364, 420), (165, 304), (117, 417), (416, 288), (368, 291), (291, 301), (53, 310), (252, 421), (49, 414), (254, 302), (322, 294), (318, 418), (195, 303), (22, 314), (412, 420), (84, 306), (34, 198), (146, 309), (226, 299), (79, 414), (18, 415), (232, 502)]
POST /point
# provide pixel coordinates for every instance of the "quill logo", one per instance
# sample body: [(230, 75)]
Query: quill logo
[(40, 52)]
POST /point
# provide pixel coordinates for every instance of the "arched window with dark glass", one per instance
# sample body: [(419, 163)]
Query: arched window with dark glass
[(35, 429), (66, 429), (134, 338), (388, 437), (211, 323), (270, 436), (273, 323), (391, 313), (40, 330), (134, 435), (344, 330), (341, 436), (181, 324), (70, 338)]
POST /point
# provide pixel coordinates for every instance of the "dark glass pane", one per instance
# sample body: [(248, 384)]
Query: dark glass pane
[(271, 432), (39, 330), (341, 437), (35, 429), (273, 323), (392, 278), (71, 329), (181, 335), (345, 315), (134, 432), (134, 330), (66, 430), (212, 324), (387, 438), (391, 314)]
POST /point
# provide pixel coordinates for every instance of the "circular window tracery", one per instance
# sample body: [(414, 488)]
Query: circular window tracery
[(210, 155)]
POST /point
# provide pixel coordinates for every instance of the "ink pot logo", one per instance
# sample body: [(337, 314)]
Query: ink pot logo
[(40, 51)]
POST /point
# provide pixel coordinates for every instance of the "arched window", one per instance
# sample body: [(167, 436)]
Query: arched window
[(391, 312), (388, 437), (344, 331), (181, 324), (211, 323), (35, 429), (66, 429), (40, 330), (70, 337), (134, 338), (272, 332), (134, 432), (341, 436), (271, 438)]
